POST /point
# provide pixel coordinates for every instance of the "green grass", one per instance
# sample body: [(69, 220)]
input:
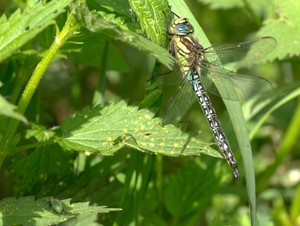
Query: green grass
[(81, 135)]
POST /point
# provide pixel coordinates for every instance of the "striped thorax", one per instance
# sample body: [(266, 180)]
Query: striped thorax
[(185, 47)]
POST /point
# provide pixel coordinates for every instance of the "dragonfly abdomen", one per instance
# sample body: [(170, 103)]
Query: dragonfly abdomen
[(213, 121)]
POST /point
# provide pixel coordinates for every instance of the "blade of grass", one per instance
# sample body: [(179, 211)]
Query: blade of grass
[(131, 190), (295, 207)]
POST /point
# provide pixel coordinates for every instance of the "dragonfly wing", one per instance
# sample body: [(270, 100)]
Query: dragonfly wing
[(179, 103), (170, 77), (233, 86), (243, 54)]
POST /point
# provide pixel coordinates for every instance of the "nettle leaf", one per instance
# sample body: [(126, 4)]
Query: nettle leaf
[(48, 161), (152, 19), (44, 211), (22, 27), (40, 133), (118, 125), (182, 200), (7, 109), (285, 28), (116, 28), (90, 220)]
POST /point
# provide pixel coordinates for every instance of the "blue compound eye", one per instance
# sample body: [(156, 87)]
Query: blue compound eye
[(182, 28)]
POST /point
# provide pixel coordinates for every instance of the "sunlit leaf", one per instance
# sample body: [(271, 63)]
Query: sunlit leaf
[(9, 110), (283, 27), (153, 19), (22, 27), (117, 125), (116, 28), (40, 212)]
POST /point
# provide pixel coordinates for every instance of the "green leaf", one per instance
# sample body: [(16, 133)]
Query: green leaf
[(284, 26), (117, 125), (256, 9), (7, 109), (49, 161), (150, 13), (22, 27), (117, 29), (184, 195), (27, 211), (40, 133), (90, 220)]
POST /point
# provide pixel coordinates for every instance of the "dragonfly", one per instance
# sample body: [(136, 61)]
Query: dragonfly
[(204, 69)]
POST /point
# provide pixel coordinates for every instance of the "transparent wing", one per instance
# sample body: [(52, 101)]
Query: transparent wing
[(171, 77), (179, 103), (232, 86), (242, 54)]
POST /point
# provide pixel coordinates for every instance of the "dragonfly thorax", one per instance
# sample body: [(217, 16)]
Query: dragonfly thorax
[(181, 27)]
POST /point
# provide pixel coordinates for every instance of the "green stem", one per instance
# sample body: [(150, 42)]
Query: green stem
[(68, 30), (295, 207), (29, 146)]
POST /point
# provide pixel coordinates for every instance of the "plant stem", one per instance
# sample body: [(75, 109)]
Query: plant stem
[(68, 30)]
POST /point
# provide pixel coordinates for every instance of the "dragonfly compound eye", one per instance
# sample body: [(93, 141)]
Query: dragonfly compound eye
[(182, 29)]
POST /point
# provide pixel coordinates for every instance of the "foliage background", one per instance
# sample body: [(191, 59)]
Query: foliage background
[(107, 61)]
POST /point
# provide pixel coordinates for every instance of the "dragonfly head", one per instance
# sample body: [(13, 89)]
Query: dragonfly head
[(181, 27)]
